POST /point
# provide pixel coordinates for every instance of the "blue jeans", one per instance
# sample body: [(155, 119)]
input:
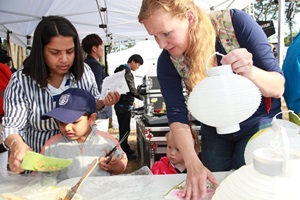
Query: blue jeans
[(223, 152)]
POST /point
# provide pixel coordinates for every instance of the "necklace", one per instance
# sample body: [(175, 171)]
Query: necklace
[(81, 145)]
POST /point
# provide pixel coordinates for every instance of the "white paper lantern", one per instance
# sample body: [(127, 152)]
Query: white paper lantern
[(248, 184), (224, 99), (274, 174), (263, 137)]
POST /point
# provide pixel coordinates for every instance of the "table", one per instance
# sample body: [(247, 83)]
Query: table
[(146, 187)]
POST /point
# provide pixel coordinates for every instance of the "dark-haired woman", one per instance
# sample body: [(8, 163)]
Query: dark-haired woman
[(54, 65)]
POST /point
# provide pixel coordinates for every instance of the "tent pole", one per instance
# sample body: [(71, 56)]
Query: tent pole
[(281, 13), (28, 45)]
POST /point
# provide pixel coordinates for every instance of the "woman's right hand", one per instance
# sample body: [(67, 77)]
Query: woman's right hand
[(197, 175), (17, 149)]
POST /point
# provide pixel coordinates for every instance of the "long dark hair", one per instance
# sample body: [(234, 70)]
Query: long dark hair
[(51, 26)]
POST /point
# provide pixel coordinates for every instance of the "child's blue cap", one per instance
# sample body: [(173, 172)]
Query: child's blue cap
[(71, 105)]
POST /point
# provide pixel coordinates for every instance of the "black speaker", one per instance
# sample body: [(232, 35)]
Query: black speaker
[(291, 11)]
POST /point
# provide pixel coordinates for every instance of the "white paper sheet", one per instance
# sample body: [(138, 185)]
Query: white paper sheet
[(115, 82)]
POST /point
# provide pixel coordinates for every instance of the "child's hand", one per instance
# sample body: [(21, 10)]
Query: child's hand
[(108, 163)]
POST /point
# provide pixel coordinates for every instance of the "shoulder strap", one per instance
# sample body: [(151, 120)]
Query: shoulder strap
[(225, 30)]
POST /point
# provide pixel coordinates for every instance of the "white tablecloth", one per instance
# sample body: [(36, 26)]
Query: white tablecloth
[(146, 187)]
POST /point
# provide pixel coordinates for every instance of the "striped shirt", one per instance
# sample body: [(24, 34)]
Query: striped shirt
[(26, 102), (55, 92)]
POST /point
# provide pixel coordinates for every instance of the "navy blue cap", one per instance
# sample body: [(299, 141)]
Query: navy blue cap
[(71, 105)]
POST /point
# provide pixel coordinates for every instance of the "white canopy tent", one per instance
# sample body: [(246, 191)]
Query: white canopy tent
[(117, 18)]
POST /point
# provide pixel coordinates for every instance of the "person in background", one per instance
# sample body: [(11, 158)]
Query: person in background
[(291, 70), (75, 113), (274, 49), (173, 162), (124, 106), (55, 64), (5, 74), (179, 27), (93, 45)]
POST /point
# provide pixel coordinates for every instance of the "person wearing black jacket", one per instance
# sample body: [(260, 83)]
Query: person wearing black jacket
[(124, 106)]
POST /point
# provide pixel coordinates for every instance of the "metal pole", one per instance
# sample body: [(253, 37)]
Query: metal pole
[(28, 45), (281, 13)]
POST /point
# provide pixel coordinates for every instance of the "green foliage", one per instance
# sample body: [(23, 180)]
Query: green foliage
[(288, 39), (121, 46), (265, 10), (3, 44)]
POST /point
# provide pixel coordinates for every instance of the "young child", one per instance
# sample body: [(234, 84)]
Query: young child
[(75, 113), (173, 163)]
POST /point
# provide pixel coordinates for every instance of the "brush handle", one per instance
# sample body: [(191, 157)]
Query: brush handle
[(76, 187), (87, 173)]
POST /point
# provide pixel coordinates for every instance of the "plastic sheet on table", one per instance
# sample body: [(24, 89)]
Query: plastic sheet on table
[(34, 186)]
